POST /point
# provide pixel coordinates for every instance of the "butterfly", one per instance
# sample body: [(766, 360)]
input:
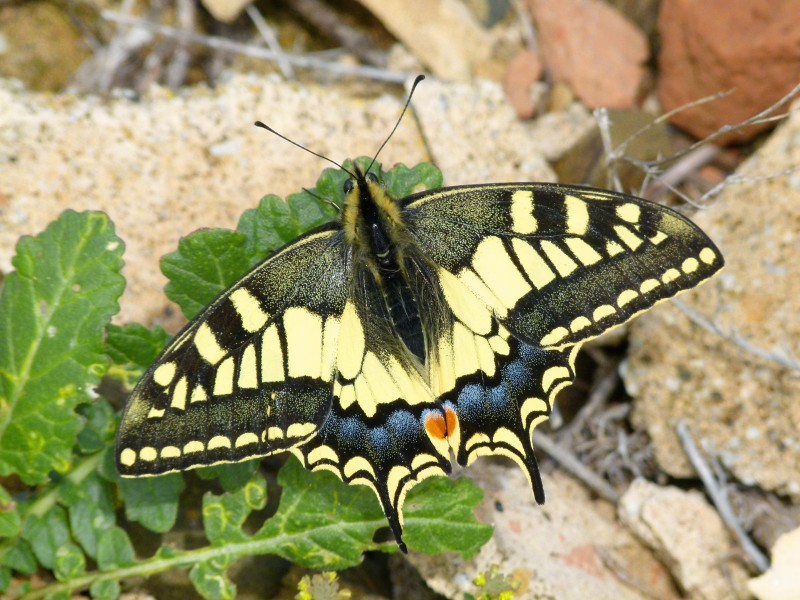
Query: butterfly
[(407, 330)]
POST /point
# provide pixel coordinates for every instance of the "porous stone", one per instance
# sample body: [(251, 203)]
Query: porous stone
[(749, 49)]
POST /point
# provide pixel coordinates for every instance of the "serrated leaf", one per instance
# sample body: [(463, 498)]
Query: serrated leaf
[(210, 580), (91, 510), (224, 515), (53, 310), (100, 425), (152, 501), (107, 589), (46, 534), (267, 227), (206, 262), (230, 476), (5, 578), (439, 517), (135, 344), (114, 549), (70, 562), (19, 556), (401, 181), (327, 524), (10, 521)]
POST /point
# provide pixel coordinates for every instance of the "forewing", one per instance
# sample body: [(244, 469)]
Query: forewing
[(251, 375), (560, 264)]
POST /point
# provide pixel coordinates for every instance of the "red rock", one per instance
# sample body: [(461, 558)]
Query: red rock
[(750, 46), (521, 72), (592, 47)]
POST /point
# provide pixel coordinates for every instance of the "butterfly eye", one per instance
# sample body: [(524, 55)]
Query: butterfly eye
[(371, 177), (348, 186)]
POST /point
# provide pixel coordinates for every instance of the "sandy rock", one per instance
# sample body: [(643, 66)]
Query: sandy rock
[(571, 548), (521, 73), (442, 34), (170, 164), (226, 10), (474, 134), (592, 47), (740, 407), (687, 534), (698, 58), (781, 581)]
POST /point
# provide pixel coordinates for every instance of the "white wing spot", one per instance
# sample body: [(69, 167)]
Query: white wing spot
[(249, 309), (708, 256), (127, 457), (577, 215), (207, 346), (148, 454), (219, 441), (629, 212), (164, 374)]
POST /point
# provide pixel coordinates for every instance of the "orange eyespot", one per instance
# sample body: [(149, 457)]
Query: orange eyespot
[(435, 425)]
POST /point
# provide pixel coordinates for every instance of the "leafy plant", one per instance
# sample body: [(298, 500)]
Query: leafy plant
[(61, 500)]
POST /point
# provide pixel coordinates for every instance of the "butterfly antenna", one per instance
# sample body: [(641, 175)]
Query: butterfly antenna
[(283, 137), (320, 198), (410, 94)]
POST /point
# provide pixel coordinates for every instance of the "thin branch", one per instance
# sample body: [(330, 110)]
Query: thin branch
[(185, 12), (765, 115), (327, 20), (572, 465), (784, 360), (269, 37), (598, 397), (680, 170), (719, 497), (735, 178), (219, 43)]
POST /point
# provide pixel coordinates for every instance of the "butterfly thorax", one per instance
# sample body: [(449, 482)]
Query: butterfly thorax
[(379, 240)]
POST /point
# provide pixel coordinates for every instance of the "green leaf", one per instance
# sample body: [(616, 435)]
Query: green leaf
[(70, 562), (100, 426), (46, 534), (53, 310), (206, 263), (152, 501), (135, 344), (224, 515), (114, 549), (57, 596), (210, 580), (10, 521), (91, 510), (5, 578), (230, 476), (401, 181), (439, 517), (267, 227), (322, 523), (107, 589), (19, 556)]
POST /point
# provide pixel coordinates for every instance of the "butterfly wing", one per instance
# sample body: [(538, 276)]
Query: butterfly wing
[(251, 375), (530, 272), (385, 429)]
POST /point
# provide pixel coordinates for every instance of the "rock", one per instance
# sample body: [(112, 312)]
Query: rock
[(741, 407), (592, 47), (571, 548), (475, 136), (698, 59), (687, 534), (172, 163), (781, 581), (521, 73), (442, 34), (226, 10)]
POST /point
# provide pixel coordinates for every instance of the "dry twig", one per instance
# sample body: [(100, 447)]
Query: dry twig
[(784, 360), (219, 43), (571, 464), (269, 37), (719, 497)]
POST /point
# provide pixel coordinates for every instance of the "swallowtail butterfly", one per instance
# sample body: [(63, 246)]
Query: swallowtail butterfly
[(377, 344)]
